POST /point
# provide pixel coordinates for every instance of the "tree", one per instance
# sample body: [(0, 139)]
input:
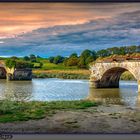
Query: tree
[(94, 54), (51, 59), (81, 63), (32, 57), (14, 57), (89, 60), (26, 58), (73, 55), (86, 53), (72, 61), (86, 57), (58, 59), (102, 53)]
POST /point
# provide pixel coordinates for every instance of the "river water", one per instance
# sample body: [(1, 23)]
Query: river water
[(52, 89)]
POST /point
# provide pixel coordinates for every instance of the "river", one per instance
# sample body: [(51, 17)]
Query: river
[(52, 89)]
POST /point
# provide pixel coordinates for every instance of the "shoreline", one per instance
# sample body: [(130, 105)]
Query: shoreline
[(73, 74), (103, 119)]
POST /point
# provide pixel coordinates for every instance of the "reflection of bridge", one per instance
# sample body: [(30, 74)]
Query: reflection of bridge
[(14, 74), (107, 75)]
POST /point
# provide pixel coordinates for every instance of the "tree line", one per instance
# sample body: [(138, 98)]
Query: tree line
[(80, 61), (88, 56)]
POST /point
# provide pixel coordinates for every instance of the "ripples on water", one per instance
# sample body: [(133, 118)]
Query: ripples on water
[(60, 89)]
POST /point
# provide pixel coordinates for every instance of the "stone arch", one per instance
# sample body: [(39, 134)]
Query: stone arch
[(110, 78), (107, 74), (3, 73)]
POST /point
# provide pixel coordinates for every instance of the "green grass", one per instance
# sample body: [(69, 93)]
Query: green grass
[(11, 111), (51, 66)]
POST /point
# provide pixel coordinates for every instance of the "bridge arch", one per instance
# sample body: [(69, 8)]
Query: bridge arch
[(3, 73), (110, 78), (107, 75)]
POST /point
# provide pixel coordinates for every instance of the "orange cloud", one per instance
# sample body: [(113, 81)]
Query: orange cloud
[(16, 18)]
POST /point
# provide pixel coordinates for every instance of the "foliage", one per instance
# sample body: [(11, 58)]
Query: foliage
[(118, 50), (58, 59), (127, 76), (73, 55), (51, 59), (26, 58), (23, 64), (81, 63), (72, 61), (32, 58), (86, 57), (10, 63)]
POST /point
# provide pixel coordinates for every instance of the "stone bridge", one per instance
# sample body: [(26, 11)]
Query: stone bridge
[(14, 74), (107, 74)]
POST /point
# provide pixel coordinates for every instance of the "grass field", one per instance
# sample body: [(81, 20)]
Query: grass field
[(51, 66)]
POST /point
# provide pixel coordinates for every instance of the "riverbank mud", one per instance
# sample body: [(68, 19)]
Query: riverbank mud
[(101, 119)]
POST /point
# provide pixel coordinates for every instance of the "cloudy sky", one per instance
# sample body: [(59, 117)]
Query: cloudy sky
[(48, 29)]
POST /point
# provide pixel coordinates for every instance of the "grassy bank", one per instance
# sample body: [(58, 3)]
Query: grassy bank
[(73, 74), (11, 111), (64, 74)]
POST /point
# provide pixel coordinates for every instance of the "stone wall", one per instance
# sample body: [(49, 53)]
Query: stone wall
[(20, 74)]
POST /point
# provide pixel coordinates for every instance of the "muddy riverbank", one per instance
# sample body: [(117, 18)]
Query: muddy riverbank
[(100, 119)]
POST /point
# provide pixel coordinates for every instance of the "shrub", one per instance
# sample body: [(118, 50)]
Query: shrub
[(10, 63)]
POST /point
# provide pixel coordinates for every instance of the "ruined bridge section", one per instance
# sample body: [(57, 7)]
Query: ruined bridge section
[(14, 74), (107, 74)]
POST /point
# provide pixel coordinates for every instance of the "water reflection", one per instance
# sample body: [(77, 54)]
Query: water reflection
[(60, 89), (111, 96), (125, 95), (16, 90)]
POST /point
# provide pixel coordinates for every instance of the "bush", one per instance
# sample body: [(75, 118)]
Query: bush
[(10, 63), (23, 64), (72, 61)]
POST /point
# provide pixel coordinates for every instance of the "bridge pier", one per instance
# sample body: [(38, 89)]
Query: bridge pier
[(20, 74), (138, 85)]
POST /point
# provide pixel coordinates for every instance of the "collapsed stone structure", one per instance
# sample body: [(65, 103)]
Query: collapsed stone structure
[(15, 74)]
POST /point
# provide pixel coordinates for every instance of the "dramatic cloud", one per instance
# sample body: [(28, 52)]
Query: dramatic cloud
[(51, 29)]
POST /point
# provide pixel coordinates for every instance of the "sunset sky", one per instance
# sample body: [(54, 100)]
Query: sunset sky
[(72, 26)]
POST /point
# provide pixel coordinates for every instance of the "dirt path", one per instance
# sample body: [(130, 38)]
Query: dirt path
[(102, 119)]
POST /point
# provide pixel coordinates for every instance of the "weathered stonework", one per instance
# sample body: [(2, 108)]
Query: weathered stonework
[(2, 73), (107, 74), (22, 74), (15, 74)]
